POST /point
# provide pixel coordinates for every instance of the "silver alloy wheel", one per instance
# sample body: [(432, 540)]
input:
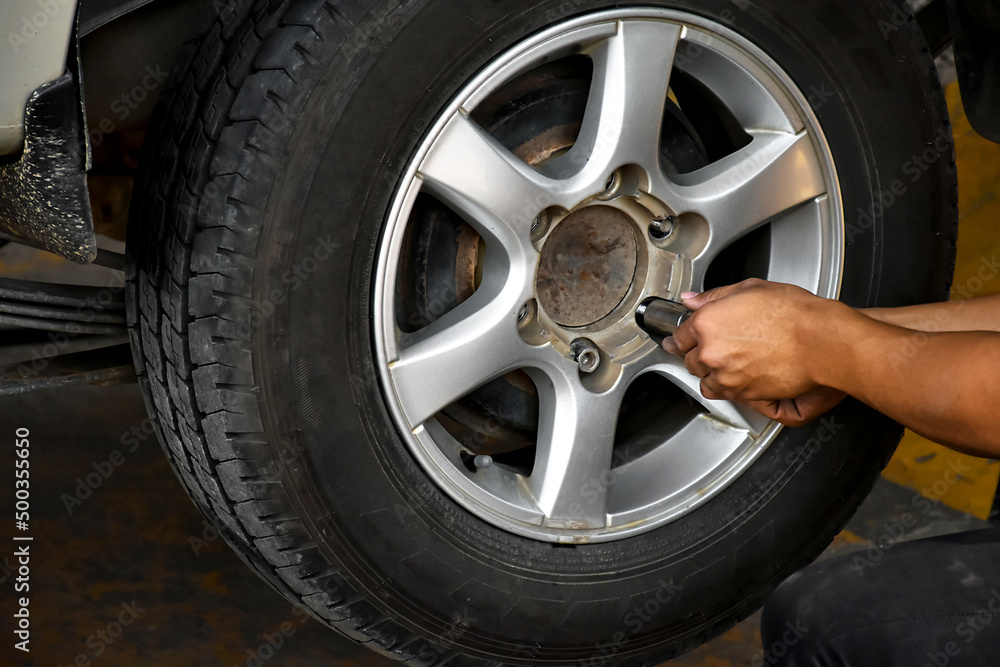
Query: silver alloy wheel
[(784, 176)]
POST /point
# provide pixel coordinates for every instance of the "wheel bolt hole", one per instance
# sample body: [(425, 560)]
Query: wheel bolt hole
[(613, 187), (527, 314), (542, 223), (661, 229)]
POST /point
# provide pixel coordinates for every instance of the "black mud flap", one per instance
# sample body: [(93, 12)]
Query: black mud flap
[(44, 201)]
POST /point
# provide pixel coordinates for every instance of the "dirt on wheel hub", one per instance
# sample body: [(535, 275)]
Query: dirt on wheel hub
[(587, 266)]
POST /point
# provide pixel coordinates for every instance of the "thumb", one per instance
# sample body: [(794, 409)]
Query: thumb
[(694, 300), (671, 346)]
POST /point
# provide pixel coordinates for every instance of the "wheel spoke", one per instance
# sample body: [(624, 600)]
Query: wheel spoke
[(468, 346), (772, 175), (745, 89), (796, 242), (489, 186), (624, 113), (733, 414), (575, 441), (672, 469)]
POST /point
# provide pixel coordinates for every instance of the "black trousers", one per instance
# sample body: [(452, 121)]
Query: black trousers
[(927, 603)]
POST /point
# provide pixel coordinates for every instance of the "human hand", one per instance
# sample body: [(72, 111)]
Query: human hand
[(802, 409), (757, 341)]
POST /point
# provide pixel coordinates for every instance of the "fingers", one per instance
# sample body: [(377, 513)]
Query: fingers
[(694, 301), (709, 390), (670, 345), (692, 363), (800, 410), (685, 338), (682, 342), (695, 366), (770, 409), (784, 411)]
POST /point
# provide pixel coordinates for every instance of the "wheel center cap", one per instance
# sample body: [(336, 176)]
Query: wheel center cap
[(587, 266)]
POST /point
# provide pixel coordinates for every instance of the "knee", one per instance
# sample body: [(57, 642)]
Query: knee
[(793, 600), (797, 618)]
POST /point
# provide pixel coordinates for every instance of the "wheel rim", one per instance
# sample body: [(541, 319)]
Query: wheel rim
[(662, 230)]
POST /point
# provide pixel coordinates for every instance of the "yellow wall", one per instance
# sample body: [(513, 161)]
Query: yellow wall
[(964, 482)]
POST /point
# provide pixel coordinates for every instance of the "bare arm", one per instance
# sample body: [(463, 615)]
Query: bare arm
[(945, 386), (980, 314)]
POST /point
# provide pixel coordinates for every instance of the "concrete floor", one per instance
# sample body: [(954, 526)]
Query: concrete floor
[(131, 537), (107, 535)]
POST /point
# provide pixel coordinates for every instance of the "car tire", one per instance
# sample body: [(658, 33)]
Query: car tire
[(270, 172)]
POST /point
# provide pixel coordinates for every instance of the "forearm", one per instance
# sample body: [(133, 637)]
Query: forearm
[(945, 386), (980, 314)]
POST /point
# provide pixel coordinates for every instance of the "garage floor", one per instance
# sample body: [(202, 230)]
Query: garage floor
[(126, 572)]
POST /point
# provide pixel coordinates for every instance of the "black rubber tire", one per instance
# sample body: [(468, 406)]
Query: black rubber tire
[(265, 180)]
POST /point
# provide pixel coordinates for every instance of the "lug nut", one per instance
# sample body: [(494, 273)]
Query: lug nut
[(661, 229), (540, 225), (613, 188), (523, 313), (588, 361), (482, 461), (586, 355)]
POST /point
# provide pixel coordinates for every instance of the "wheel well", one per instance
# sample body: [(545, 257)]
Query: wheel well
[(121, 93)]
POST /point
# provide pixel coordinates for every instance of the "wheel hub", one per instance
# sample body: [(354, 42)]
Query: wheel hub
[(587, 266)]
